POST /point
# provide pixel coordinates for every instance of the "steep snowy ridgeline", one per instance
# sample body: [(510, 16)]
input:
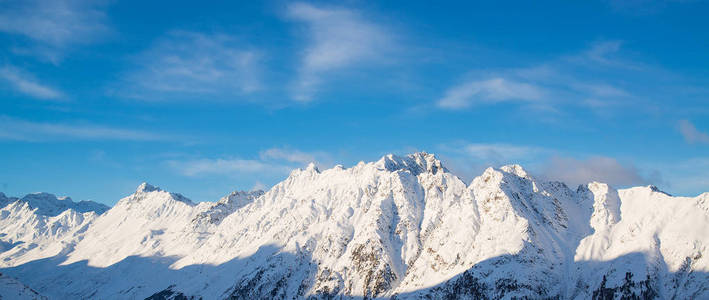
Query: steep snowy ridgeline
[(154, 223), (402, 227), (26, 235), (150, 222), (647, 242), (128, 250), (361, 225), (10, 288), (518, 246), (41, 225)]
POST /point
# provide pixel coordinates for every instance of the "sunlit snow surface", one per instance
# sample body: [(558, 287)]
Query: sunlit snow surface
[(400, 227)]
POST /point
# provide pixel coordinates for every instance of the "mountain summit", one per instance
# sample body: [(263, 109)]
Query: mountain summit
[(416, 163), (402, 227)]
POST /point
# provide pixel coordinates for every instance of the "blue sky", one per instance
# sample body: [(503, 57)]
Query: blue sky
[(97, 97)]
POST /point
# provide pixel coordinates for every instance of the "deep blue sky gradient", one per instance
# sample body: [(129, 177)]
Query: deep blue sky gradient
[(624, 92)]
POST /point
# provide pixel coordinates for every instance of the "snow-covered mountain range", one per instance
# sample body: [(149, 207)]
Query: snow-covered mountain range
[(397, 228)]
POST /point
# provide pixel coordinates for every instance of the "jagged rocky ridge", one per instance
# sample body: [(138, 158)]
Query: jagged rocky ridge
[(401, 227)]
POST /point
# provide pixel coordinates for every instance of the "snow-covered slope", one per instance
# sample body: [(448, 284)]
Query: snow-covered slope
[(225, 206), (648, 242), (10, 288), (138, 225), (41, 225), (400, 227)]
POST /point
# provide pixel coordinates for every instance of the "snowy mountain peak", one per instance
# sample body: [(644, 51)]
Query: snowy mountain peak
[(657, 190), (415, 163), (516, 170), (240, 198), (44, 196), (598, 187), (50, 205), (312, 168), (146, 188), (226, 206), (488, 174), (147, 193), (606, 206)]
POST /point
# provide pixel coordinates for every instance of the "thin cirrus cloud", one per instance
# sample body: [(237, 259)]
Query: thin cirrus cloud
[(489, 91), (223, 166), (600, 52), (500, 152), (185, 64), (29, 131), (271, 161), (338, 38), (691, 134), (290, 155), (27, 84), (547, 84), (53, 27), (494, 153)]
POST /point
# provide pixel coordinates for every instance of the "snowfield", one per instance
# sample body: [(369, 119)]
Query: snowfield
[(397, 228)]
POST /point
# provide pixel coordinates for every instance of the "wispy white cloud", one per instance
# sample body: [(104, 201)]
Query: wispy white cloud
[(600, 52), (691, 134), (185, 64), (53, 26), (270, 161), (548, 85), (223, 166), (25, 83), (22, 130), (290, 155), (338, 38), (500, 153), (600, 89), (489, 91)]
